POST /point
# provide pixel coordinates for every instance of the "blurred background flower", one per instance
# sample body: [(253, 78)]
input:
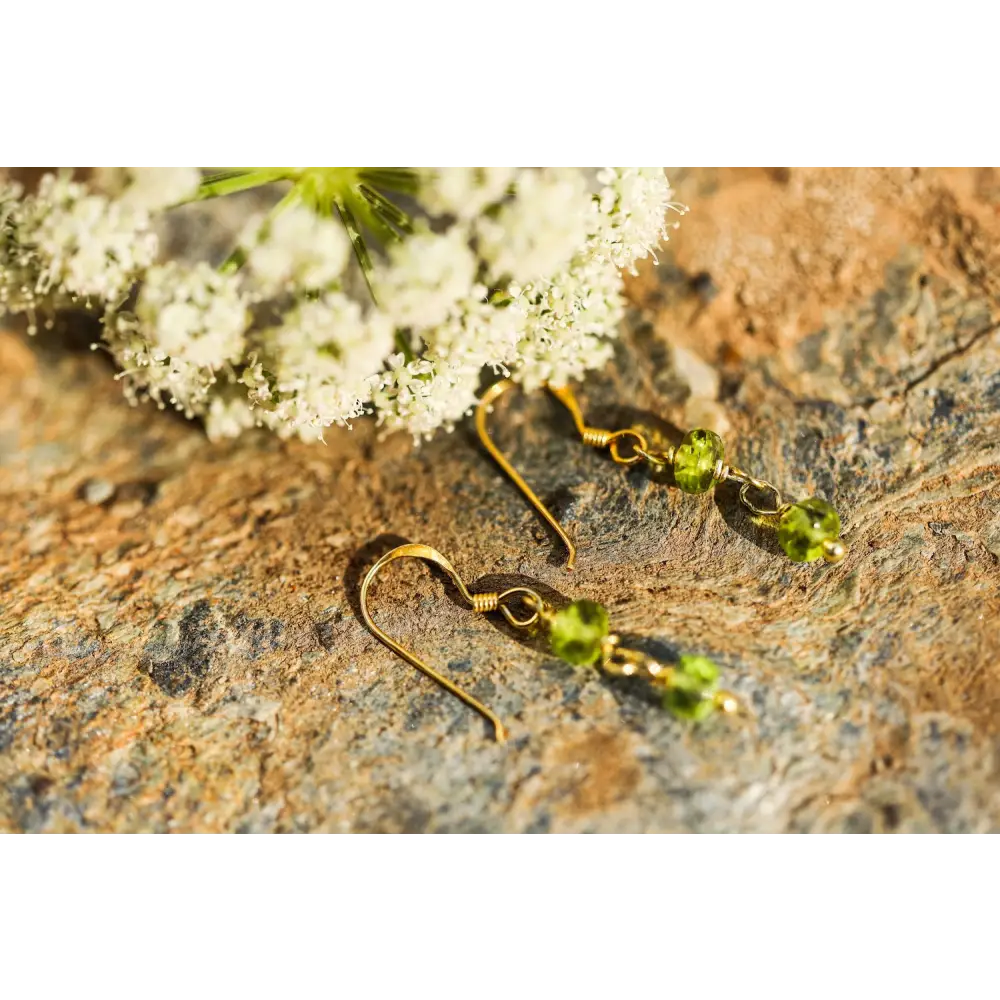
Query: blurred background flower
[(342, 290)]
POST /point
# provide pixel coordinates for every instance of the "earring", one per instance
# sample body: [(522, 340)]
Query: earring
[(807, 529), (580, 634)]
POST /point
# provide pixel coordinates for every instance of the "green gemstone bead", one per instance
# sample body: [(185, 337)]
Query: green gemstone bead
[(805, 526), (696, 459), (577, 632), (692, 684)]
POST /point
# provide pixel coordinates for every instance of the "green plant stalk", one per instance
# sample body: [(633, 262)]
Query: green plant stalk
[(239, 255), (352, 191)]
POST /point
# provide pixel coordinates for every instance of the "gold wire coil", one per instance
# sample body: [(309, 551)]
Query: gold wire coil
[(489, 601), (596, 437), (779, 505), (484, 603)]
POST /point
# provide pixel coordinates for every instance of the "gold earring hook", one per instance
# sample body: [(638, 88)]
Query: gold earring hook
[(488, 398), (481, 603), (594, 436)]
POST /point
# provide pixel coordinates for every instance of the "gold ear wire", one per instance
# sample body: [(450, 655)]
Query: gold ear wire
[(594, 436), (481, 603), (489, 397)]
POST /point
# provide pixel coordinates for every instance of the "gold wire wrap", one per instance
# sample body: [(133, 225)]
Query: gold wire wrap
[(531, 598), (834, 549), (621, 661), (595, 437), (639, 447), (660, 458), (484, 603)]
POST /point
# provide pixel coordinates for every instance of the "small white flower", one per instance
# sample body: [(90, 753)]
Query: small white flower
[(465, 191), (155, 188), (322, 358), (257, 381), (422, 395), (298, 250), (229, 414), (538, 232), (18, 264), (427, 276), (567, 323), (635, 202), (147, 372), (87, 246), (196, 314)]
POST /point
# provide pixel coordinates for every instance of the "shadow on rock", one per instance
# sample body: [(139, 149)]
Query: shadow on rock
[(362, 561), (75, 334)]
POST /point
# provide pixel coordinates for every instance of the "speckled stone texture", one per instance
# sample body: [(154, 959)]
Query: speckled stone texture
[(180, 647)]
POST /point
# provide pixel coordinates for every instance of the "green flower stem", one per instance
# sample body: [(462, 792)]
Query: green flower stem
[(234, 181), (239, 255), (402, 343), (358, 242), (353, 191), (401, 179)]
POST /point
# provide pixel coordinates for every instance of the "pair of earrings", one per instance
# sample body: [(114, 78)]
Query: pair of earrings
[(807, 529), (580, 634)]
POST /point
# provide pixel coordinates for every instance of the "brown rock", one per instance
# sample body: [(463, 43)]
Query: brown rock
[(188, 656)]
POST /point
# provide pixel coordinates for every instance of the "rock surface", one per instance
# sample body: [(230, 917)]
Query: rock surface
[(180, 647)]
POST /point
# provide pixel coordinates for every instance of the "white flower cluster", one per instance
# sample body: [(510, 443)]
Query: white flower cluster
[(636, 201), (188, 326), (324, 354), (543, 298), (517, 270), (297, 250), (66, 245), (465, 193)]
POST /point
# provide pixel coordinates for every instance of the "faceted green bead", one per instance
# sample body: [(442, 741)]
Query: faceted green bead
[(577, 632), (696, 459), (805, 526), (692, 684)]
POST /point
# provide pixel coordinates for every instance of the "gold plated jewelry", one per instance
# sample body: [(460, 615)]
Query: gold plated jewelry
[(807, 529), (580, 634)]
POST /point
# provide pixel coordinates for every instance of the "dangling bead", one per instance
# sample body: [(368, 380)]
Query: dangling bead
[(692, 685), (810, 530)]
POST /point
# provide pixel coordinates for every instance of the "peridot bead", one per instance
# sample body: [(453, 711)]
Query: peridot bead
[(692, 685), (576, 632), (696, 460), (805, 526)]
